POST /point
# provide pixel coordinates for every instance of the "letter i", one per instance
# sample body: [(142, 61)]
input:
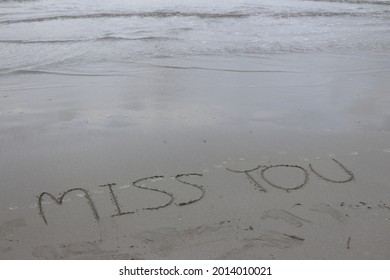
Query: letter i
[(115, 201)]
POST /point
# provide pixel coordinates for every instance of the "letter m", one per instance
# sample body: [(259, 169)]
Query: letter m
[(60, 200)]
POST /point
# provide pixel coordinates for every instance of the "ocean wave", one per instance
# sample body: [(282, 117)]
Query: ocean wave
[(215, 69), (373, 2), (98, 39), (69, 73), (146, 38), (40, 41), (47, 72), (18, 0), (117, 72), (156, 14), (330, 14)]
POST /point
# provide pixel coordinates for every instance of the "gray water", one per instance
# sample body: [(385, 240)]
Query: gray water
[(53, 35)]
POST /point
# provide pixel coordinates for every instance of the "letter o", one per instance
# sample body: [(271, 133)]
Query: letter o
[(305, 174)]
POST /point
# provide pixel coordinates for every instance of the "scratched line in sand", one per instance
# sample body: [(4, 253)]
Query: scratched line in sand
[(262, 169), (182, 178), (115, 199)]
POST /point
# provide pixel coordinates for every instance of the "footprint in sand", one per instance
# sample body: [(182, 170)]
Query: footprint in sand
[(275, 239), (285, 216), (326, 209), (165, 240)]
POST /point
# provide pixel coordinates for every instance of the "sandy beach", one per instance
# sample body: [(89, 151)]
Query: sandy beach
[(202, 156), (192, 129)]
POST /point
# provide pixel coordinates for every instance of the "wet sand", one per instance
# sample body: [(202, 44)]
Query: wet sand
[(212, 157)]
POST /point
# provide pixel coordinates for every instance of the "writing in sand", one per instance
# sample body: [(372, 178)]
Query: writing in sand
[(187, 180)]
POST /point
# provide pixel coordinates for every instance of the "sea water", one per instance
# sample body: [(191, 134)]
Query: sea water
[(99, 36)]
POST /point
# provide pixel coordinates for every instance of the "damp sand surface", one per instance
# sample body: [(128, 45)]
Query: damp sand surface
[(194, 163), (169, 130)]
